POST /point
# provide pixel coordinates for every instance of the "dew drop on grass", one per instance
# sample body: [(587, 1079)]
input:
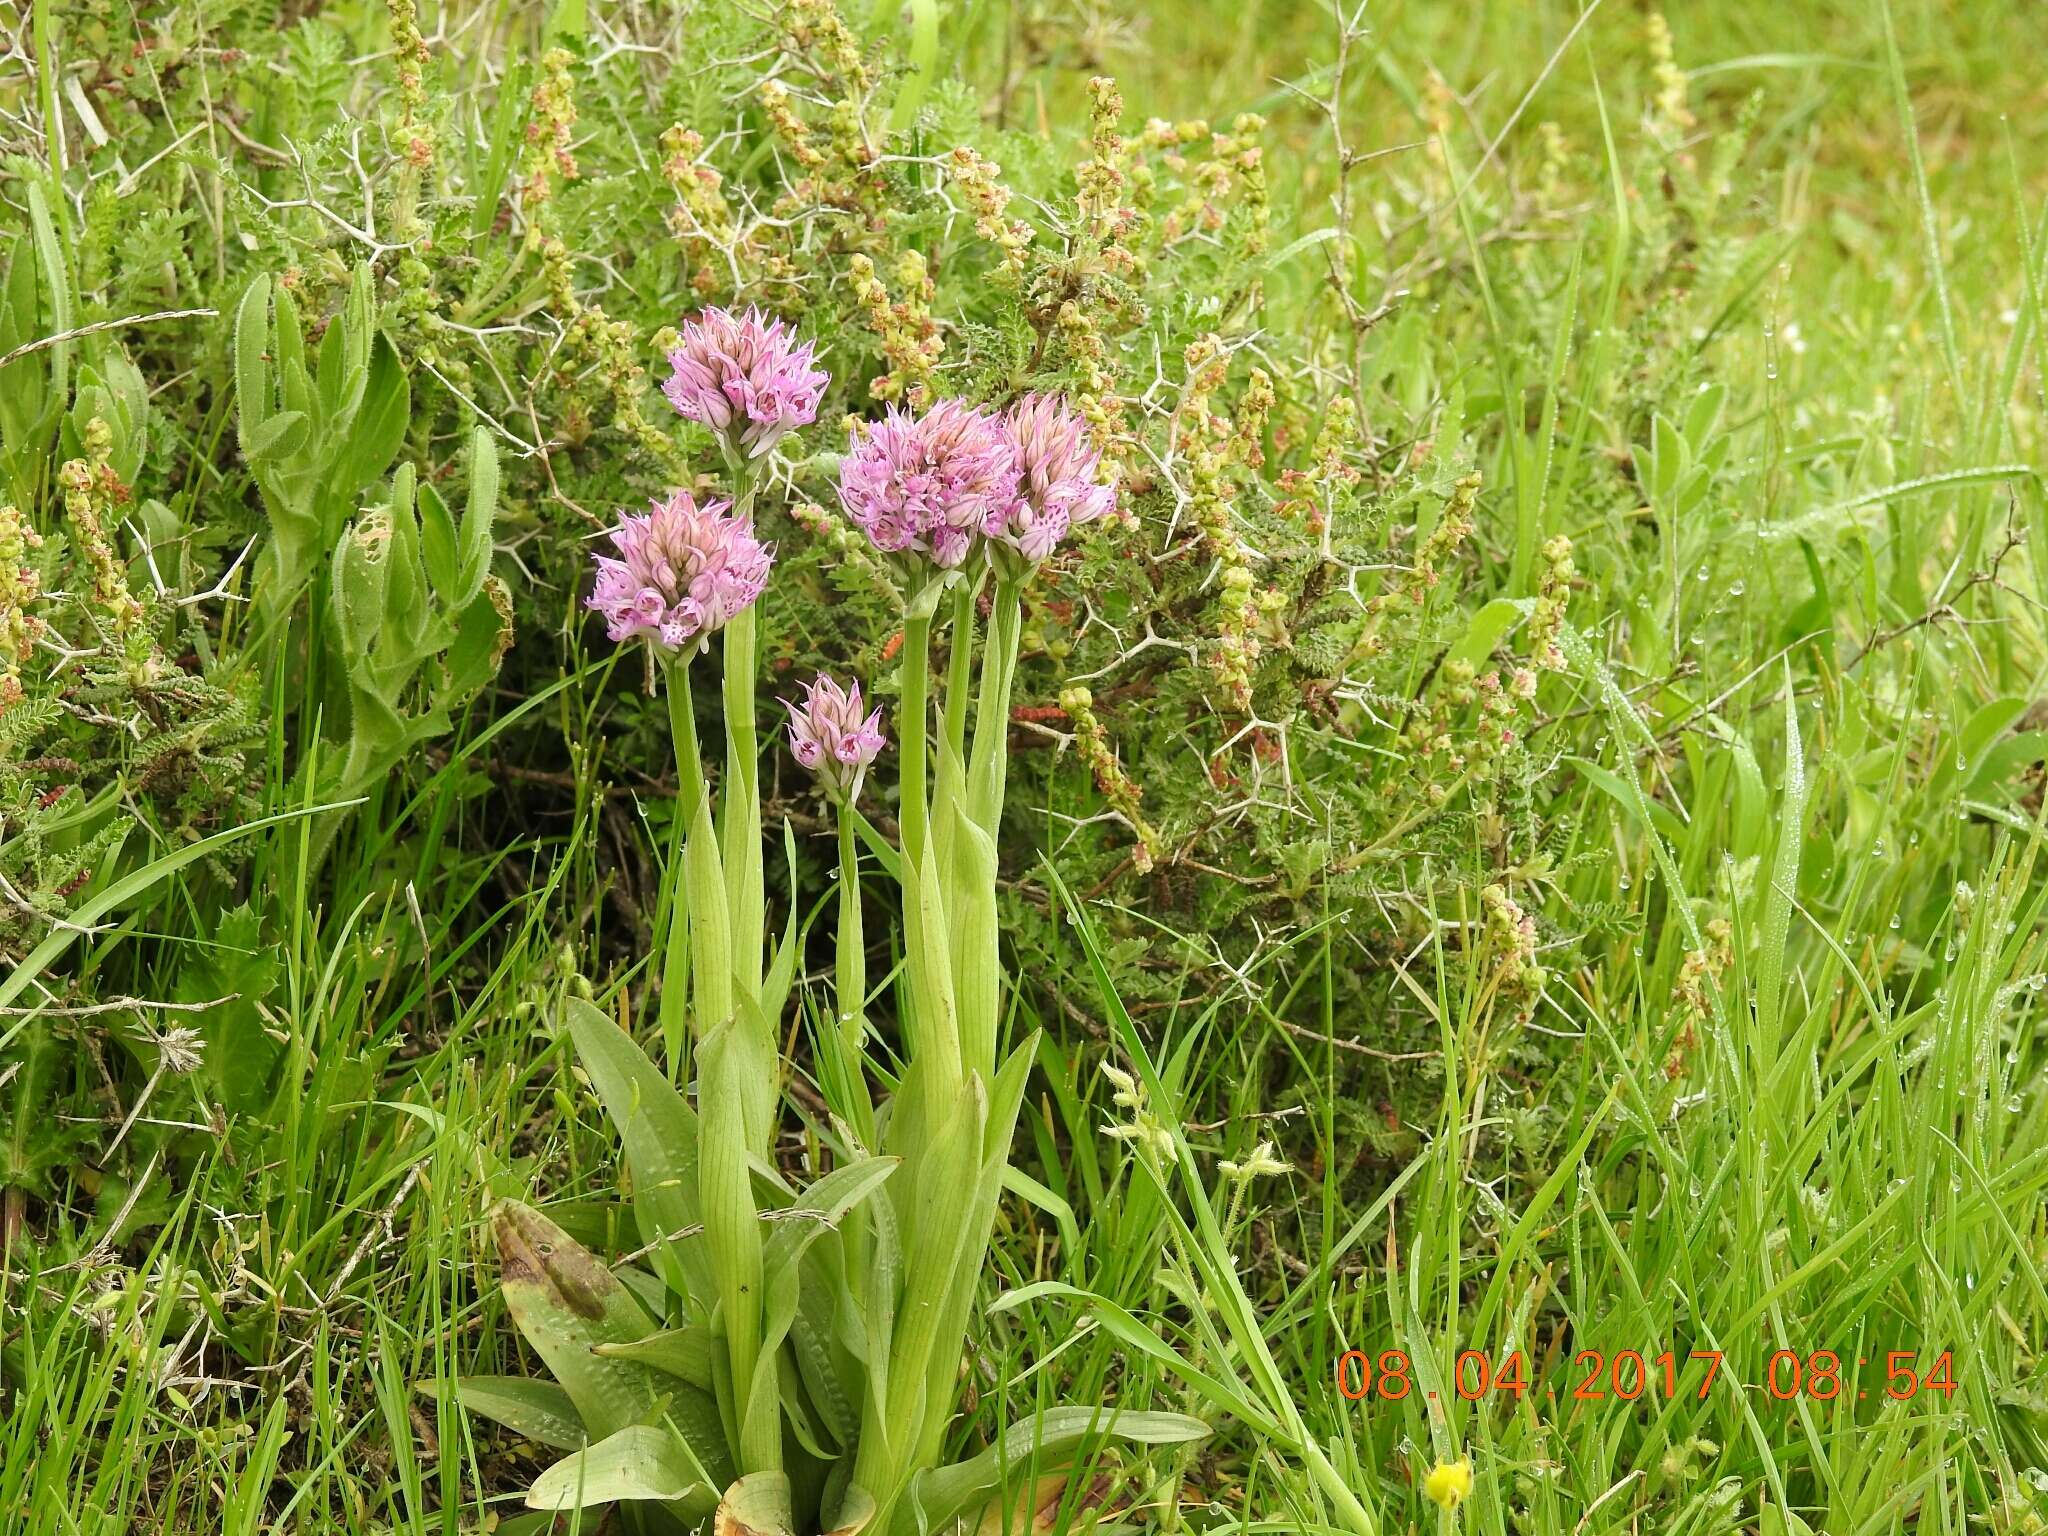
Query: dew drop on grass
[(1738, 589), (1895, 922)]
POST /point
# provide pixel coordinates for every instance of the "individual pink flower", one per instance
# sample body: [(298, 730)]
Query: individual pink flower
[(929, 484), (682, 571), (828, 735), (745, 377), (1058, 478)]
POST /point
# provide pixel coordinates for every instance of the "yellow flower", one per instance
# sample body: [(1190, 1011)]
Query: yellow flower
[(1448, 1483)]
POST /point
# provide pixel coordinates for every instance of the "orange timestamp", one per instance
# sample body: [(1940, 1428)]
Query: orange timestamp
[(1628, 1374)]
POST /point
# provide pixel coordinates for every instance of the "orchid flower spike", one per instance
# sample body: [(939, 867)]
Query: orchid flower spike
[(828, 735), (682, 571), (745, 377), (929, 485), (1059, 479)]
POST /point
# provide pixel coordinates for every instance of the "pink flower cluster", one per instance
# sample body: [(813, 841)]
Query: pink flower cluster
[(928, 484), (681, 572), (944, 483), (1058, 469), (745, 377), (828, 735)]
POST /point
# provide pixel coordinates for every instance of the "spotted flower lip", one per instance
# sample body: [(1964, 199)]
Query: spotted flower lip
[(682, 570), (829, 736), (1059, 478), (744, 376), (930, 485)]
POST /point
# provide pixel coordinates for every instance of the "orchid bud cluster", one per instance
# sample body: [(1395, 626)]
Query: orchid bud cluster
[(829, 736)]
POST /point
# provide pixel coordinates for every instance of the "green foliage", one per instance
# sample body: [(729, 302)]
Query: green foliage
[(1681, 993)]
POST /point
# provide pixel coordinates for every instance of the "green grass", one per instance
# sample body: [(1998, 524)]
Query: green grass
[(1803, 699)]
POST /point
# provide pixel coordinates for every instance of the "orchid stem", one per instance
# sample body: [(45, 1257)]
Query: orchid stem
[(916, 688), (690, 791), (851, 982), (740, 818)]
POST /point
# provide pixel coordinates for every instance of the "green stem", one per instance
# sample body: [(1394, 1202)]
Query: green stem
[(690, 791), (740, 819), (960, 668), (992, 711), (851, 983), (914, 669), (732, 1231)]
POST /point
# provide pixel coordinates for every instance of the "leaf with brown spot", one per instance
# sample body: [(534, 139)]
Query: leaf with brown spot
[(567, 1303)]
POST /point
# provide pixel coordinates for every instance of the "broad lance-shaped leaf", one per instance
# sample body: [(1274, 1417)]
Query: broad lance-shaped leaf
[(936, 1235), (823, 1337), (641, 1461), (539, 1410), (692, 1357), (732, 1226), (1031, 1447), (1005, 1096), (566, 1303), (689, 1354), (825, 1204), (660, 1134), (977, 953)]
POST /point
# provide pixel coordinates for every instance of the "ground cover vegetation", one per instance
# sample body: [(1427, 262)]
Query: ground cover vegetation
[(1022, 767)]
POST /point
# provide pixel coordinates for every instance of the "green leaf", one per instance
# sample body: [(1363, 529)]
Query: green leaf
[(253, 401), (1662, 817), (380, 422), (566, 1303), (478, 516), (278, 437), (689, 1354), (1487, 628), (1774, 1521), (56, 288), (360, 580), (945, 1493), (640, 1461), (566, 23), (539, 1410), (437, 541), (482, 636), (659, 1131)]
